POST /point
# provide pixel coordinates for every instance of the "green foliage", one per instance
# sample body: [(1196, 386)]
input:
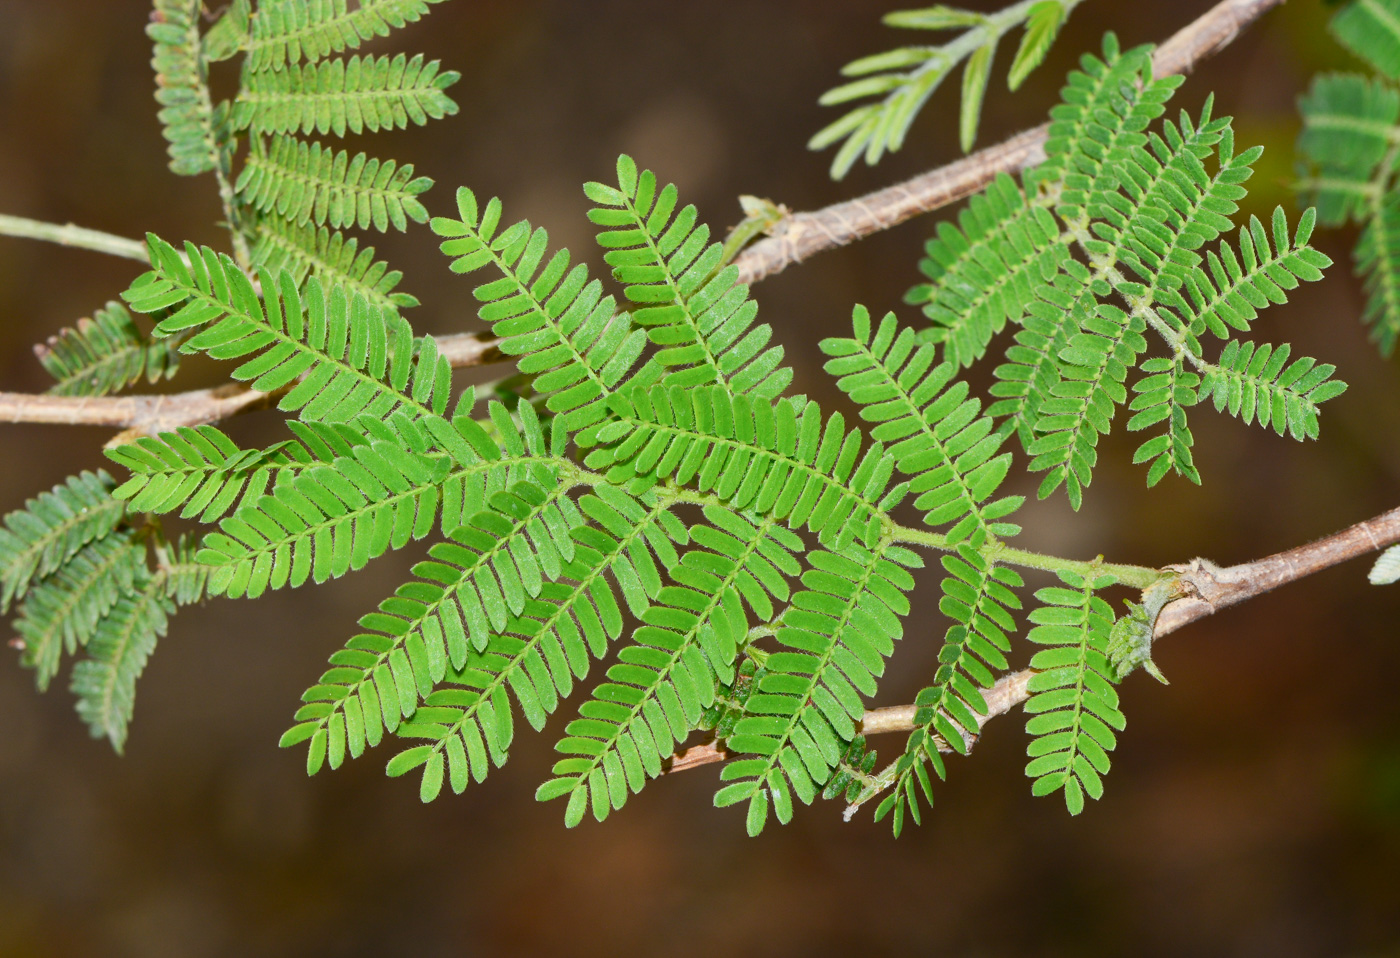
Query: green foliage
[(123, 639), (344, 96), (938, 436), (905, 78), (105, 681), (192, 127), (105, 354), (1140, 208), (1262, 383), (51, 528), (305, 183), (1073, 705), (305, 251), (1348, 151), (62, 612), (540, 652), (1371, 30), (685, 300), (987, 269), (1349, 126), (347, 357), (567, 333), (665, 679), (978, 597), (752, 455), (200, 471), (644, 469), (835, 636), (289, 31)]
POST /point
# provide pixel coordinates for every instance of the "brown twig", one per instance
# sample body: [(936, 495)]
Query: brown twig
[(1209, 588), (798, 236), (154, 414)]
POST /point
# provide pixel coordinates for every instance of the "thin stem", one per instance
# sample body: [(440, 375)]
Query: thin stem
[(76, 236), (1134, 576), (1208, 588), (803, 235)]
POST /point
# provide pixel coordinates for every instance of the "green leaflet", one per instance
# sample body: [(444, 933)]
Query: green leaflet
[(665, 679), (835, 636), (904, 78), (314, 29), (1227, 289), (985, 271), (200, 471), (566, 332), (329, 256), (1164, 393), (540, 652), (62, 612), (688, 301), (1377, 257), (105, 681), (978, 596), (333, 517), (1261, 383), (1095, 363), (1348, 149), (752, 455), (938, 435), (124, 637), (304, 183), (1141, 207), (486, 571), (352, 358), (188, 119), (105, 354), (52, 527), (1371, 30), (1073, 705), (345, 96), (1349, 125)]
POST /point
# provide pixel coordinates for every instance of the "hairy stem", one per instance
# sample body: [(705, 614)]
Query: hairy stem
[(77, 236), (1208, 588), (802, 235)]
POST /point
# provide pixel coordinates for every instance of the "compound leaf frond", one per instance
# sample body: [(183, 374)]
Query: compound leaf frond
[(330, 256), (105, 354), (187, 115), (539, 653), (754, 456), (1073, 704), (308, 184), (105, 681), (937, 434), (52, 527), (836, 635), (688, 302), (904, 78), (345, 96), (352, 358), (664, 680), (568, 335), (62, 612), (1259, 383), (284, 33)]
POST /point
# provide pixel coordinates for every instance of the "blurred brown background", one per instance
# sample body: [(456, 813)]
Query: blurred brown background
[(1254, 806)]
